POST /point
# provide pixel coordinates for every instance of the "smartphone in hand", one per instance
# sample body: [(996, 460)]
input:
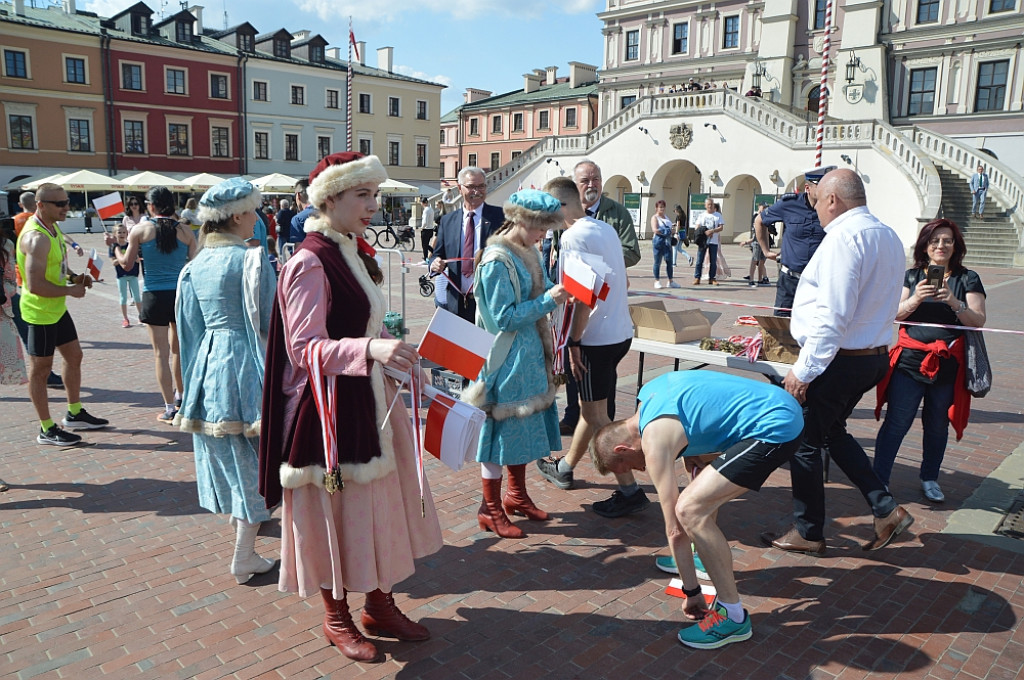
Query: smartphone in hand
[(935, 274)]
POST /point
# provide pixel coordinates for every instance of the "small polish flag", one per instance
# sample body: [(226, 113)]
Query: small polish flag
[(452, 432), (94, 265), (108, 206), (675, 589), (456, 344), (579, 280)]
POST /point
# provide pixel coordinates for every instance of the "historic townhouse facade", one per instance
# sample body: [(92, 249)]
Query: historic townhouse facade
[(490, 131), (174, 94), (52, 93)]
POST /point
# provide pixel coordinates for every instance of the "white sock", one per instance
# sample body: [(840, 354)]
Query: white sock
[(735, 611), (490, 471), (169, 408)]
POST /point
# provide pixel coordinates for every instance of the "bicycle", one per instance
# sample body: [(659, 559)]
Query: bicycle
[(389, 238)]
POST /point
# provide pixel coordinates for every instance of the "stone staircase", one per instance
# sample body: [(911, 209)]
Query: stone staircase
[(991, 240)]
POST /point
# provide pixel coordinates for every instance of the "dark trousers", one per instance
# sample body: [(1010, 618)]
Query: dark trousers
[(905, 396), (831, 398), (710, 251), (425, 236), (545, 251), (572, 398), (785, 289)]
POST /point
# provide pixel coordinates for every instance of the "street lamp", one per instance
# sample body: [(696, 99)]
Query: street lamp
[(759, 72), (852, 66)]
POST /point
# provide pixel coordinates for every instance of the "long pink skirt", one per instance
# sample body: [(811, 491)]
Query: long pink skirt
[(363, 537)]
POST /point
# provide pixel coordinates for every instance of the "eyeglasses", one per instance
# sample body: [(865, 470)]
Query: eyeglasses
[(941, 241), (474, 187), (59, 204)]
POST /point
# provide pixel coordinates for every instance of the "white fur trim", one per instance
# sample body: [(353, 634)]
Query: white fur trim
[(219, 213), (222, 429), (384, 464), (337, 178)]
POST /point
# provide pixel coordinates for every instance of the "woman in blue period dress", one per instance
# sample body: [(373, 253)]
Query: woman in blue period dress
[(224, 300), (516, 387)]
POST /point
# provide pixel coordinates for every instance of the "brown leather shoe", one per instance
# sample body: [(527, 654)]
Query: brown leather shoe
[(793, 542), (887, 528)]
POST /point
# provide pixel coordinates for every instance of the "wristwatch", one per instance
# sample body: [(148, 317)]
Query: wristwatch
[(963, 308), (572, 343)]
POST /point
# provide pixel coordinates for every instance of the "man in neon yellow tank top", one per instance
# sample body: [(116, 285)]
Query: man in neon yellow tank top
[(43, 265)]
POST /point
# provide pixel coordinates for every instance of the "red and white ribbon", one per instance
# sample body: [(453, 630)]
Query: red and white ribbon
[(751, 346), (560, 338), (325, 398)]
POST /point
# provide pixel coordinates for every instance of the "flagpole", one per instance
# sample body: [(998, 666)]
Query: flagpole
[(348, 88), (823, 91)]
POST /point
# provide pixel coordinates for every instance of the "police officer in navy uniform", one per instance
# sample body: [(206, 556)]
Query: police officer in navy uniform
[(800, 238)]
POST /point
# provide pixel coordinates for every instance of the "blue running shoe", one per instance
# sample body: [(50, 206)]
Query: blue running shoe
[(716, 630)]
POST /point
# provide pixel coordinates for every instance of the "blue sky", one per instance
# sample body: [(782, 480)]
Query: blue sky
[(487, 44)]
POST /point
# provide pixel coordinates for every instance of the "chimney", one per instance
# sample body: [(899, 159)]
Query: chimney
[(361, 48), (540, 72), (385, 58), (196, 10), (551, 75), (19, 7), (531, 82), (334, 53), (475, 95), (581, 74), (69, 7), (300, 35)]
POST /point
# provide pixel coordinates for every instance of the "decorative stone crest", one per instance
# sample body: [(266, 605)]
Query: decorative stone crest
[(680, 135)]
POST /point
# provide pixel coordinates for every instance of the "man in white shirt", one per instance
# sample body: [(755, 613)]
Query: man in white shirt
[(599, 338), (843, 317), (709, 222), (426, 228)]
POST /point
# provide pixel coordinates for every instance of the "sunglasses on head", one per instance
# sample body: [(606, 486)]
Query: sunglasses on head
[(59, 204)]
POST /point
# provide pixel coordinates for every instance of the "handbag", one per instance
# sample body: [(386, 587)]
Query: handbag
[(675, 241), (978, 369)]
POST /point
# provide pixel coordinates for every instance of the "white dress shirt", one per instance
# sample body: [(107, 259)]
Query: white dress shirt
[(848, 293), (609, 322)]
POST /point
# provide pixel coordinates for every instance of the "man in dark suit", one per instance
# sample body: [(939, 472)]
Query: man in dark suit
[(460, 235)]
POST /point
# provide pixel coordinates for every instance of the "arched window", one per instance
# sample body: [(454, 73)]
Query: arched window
[(812, 98)]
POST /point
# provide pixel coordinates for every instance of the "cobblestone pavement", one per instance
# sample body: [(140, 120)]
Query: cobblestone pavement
[(110, 569)]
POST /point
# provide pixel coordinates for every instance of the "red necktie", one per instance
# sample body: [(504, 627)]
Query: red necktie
[(469, 246)]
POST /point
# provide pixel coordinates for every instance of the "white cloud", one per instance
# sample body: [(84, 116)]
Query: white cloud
[(108, 8), (422, 75), (470, 9)]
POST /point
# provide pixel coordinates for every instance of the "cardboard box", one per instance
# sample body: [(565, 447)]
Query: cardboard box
[(777, 344), (652, 322)]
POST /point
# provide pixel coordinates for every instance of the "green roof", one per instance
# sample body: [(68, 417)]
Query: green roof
[(560, 90)]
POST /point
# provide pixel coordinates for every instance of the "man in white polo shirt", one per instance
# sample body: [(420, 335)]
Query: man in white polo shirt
[(598, 340)]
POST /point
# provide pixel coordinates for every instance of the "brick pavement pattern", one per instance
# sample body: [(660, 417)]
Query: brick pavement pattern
[(110, 569)]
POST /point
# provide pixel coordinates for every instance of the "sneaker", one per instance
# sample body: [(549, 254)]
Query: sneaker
[(746, 278), (716, 630), (167, 416), (667, 564), (765, 281), (177, 403), (657, 284), (696, 282), (125, 324), (753, 284), (620, 505), (3, 485), (53, 381), (549, 471), (932, 491), (673, 284), (83, 421), (57, 437)]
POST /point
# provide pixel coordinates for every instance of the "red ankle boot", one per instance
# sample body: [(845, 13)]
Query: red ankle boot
[(340, 630), (491, 515), (381, 617), (517, 501)]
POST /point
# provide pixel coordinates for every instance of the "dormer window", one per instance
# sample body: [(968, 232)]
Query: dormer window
[(282, 49), (140, 24), (316, 54), (245, 42), (183, 31)]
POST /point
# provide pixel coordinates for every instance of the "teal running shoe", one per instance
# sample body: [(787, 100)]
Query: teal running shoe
[(716, 630), (667, 564)]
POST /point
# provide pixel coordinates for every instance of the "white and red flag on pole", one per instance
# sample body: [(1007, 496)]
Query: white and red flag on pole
[(352, 40), (456, 344), (94, 265), (108, 206)]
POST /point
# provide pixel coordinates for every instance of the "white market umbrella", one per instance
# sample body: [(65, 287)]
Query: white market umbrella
[(87, 180), (148, 179), (202, 181), (275, 181), (33, 184), (393, 186)]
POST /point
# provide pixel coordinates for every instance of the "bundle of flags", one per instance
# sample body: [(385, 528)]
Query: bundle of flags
[(94, 265), (453, 429), (585, 277)]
